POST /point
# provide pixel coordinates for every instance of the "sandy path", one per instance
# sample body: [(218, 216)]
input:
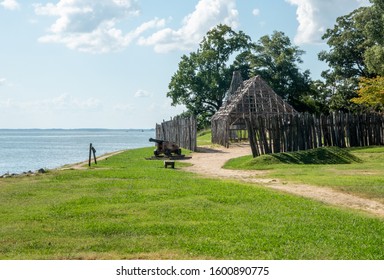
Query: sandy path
[(208, 162)]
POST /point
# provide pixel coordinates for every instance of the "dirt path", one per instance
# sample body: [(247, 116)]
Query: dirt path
[(208, 162)]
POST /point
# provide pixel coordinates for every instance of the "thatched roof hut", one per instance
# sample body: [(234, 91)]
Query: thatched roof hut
[(244, 101)]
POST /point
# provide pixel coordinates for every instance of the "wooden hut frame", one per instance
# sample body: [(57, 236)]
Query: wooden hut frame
[(244, 103)]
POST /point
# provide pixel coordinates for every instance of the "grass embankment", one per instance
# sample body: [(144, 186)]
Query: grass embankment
[(357, 170), (128, 207), (204, 137)]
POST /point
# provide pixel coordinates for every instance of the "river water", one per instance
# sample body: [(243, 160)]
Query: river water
[(22, 150)]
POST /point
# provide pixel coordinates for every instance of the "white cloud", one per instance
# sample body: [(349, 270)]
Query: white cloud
[(142, 93), (67, 101), (92, 26), (95, 26), (256, 12), (315, 16), (207, 14), (64, 102), (2, 81), (10, 4)]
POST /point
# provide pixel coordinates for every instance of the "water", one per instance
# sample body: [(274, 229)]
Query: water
[(31, 149)]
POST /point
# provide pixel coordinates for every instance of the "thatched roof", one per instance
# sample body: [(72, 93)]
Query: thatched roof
[(245, 101), (253, 97), (236, 82)]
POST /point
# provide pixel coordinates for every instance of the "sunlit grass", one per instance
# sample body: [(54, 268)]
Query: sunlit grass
[(359, 170), (204, 138), (129, 208)]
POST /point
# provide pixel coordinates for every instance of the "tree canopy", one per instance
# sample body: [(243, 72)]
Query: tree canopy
[(276, 60), (371, 21), (204, 76), (371, 93), (356, 51)]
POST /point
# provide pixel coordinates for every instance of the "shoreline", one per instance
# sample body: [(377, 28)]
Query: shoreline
[(80, 165), (26, 151), (68, 166)]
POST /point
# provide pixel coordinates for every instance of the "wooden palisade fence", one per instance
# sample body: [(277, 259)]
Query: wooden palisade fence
[(182, 131), (286, 133)]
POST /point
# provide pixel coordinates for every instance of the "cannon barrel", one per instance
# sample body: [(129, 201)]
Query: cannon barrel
[(156, 140)]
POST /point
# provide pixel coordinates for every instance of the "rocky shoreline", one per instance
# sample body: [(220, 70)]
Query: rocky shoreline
[(79, 165), (28, 173)]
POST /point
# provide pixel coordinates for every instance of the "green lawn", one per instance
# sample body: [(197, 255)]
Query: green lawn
[(130, 208), (357, 170), (204, 138)]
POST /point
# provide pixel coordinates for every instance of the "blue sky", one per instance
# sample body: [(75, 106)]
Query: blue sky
[(108, 63)]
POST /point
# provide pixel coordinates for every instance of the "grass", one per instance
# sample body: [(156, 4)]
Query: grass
[(359, 170), (204, 138), (131, 208), (327, 155)]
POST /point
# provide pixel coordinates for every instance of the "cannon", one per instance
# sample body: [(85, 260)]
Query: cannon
[(165, 147)]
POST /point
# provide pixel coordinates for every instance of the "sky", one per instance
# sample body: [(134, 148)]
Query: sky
[(108, 63)]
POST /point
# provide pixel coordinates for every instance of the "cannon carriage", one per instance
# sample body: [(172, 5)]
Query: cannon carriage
[(165, 147)]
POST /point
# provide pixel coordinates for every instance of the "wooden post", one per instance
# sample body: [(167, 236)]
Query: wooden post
[(91, 150), (251, 137), (94, 154), (90, 154)]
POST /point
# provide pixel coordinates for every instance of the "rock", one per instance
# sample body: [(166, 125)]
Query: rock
[(7, 175), (41, 171)]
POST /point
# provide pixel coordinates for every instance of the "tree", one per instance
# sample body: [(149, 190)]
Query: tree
[(374, 58), (316, 101), (347, 44), (276, 60), (371, 93), (356, 50), (371, 21), (204, 76), (346, 60)]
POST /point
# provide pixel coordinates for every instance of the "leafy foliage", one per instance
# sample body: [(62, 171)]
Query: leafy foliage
[(204, 76), (356, 50), (371, 93), (276, 60), (346, 60), (371, 21), (347, 44)]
